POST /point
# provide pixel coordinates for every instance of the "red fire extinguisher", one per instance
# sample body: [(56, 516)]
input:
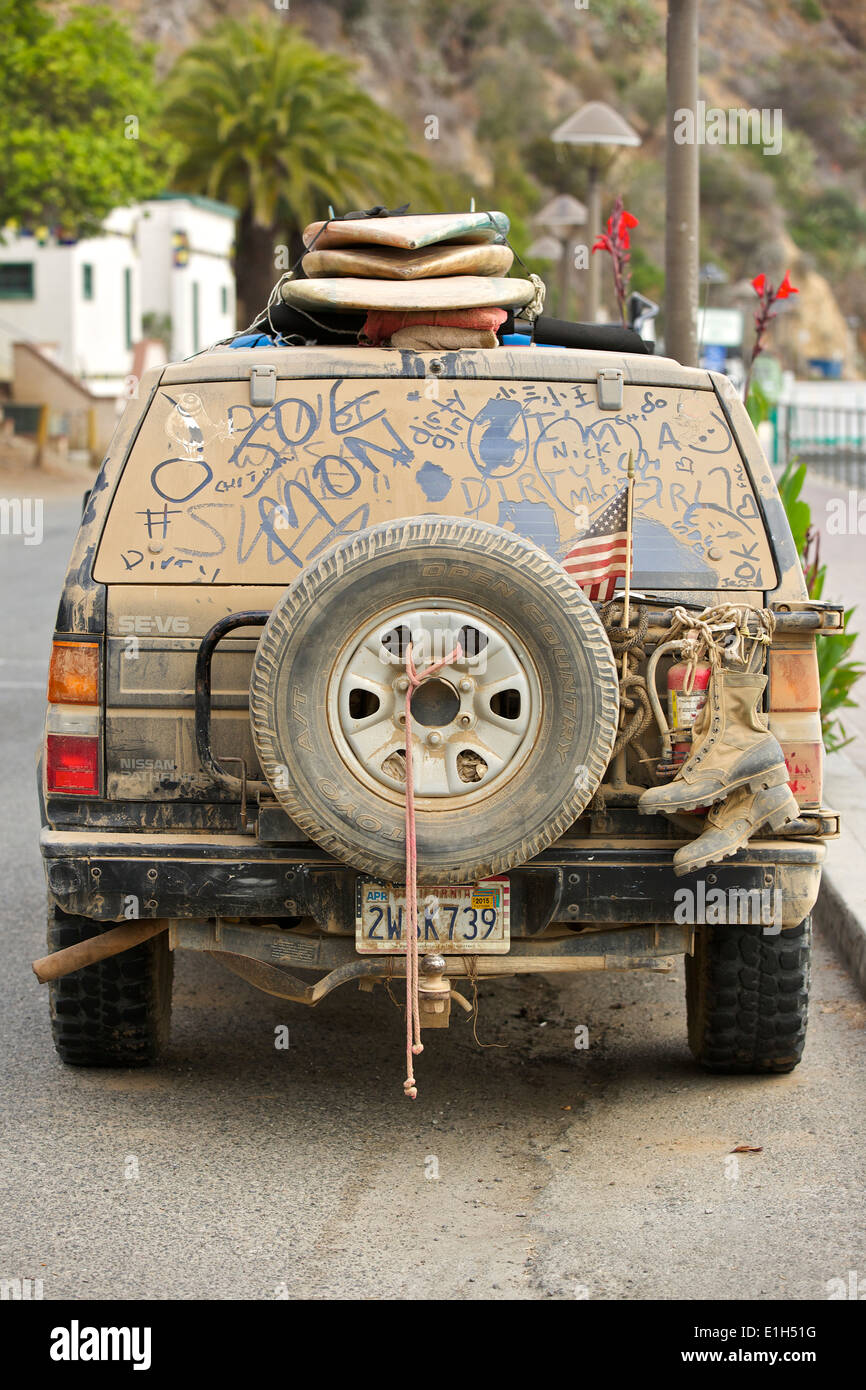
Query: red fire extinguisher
[(687, 695)]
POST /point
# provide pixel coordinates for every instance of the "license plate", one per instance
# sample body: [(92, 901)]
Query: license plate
[(465, 919)]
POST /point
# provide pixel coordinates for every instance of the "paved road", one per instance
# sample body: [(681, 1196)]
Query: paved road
[(237, 1171)]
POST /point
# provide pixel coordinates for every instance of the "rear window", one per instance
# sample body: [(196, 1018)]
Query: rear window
[(217, 491)]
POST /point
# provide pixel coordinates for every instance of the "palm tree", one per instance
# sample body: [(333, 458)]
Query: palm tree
[(266, 121)]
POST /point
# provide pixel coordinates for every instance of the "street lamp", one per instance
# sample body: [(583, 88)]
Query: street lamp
[(562, 216), (544, 248), (600, 128)]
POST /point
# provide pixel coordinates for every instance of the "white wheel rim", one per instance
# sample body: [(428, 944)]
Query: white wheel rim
[(474, 723)]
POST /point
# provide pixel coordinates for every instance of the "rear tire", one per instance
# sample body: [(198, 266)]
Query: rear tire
[(116, 1013), (747, 997)]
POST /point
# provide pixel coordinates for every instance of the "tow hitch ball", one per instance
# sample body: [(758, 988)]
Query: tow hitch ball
[(434, 992)]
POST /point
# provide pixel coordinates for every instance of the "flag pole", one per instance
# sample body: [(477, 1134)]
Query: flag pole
[(620, 775), (629, 515)]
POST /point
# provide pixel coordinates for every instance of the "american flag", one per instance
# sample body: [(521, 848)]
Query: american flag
[(599, 557)]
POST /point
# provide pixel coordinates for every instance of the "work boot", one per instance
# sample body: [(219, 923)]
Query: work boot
[(732, 824), (732, 748)]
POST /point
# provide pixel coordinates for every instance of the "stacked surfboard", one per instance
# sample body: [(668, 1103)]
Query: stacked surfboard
[(413, 275)]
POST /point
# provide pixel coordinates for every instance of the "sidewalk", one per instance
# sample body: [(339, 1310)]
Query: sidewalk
[(845, 558), (840, 913)]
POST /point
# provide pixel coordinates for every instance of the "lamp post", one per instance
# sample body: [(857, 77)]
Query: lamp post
[(601, 129), (547, 248), (562, 216)]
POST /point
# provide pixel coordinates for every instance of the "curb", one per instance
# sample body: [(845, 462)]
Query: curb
[(840, 912)]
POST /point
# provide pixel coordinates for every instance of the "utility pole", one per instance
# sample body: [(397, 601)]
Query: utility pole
[(593, 203), (682, 167)]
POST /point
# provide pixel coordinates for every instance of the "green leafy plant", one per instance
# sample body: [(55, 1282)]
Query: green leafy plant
[(758, 405), (837, 675), (78, 128), (157, 326), (798, 512)]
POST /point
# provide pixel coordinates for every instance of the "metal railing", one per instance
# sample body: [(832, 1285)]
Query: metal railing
[(830, 439)]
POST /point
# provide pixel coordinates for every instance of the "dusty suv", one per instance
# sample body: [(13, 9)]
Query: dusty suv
[(273, 531)]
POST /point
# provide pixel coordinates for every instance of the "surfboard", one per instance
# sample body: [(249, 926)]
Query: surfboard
[(393, 263), (412, 233), (445, 292)]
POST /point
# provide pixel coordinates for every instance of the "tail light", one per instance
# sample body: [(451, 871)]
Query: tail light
[(72, 731), (795, 718), (72, 764)]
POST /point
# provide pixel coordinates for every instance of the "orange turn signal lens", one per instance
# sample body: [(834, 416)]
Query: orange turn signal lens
[(73, 676), (794, 680)]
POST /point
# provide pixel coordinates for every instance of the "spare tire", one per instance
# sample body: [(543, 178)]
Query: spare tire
[(509, 743)]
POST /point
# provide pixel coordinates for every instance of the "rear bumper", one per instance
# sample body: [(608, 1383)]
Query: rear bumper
[(111, 876)]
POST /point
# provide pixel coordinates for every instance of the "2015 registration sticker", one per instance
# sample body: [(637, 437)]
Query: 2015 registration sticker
[(470, 919)]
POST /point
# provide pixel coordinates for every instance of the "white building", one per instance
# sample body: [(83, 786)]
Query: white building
[(78, 301), (82, 302), (185, 244)]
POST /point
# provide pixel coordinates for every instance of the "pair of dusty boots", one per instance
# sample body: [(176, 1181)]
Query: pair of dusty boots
[(735, 760)]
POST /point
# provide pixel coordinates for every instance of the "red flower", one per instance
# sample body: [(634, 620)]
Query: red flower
[(764, 313), (615, 241), (618, 227), (625, 219), (786, 288)]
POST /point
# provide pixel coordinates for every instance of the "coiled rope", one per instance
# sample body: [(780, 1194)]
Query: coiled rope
[(720, 633), (635, 713)]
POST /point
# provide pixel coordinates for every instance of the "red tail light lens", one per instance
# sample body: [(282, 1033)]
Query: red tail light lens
[(72, 764), (805, 762), (795, 719)]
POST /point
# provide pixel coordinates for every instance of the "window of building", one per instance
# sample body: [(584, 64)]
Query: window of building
[(127, 305), (87, 281), (17, 280), (195, 316)]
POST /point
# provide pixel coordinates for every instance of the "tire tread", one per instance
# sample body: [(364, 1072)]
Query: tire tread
[(747, 997), (115, 1013)]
